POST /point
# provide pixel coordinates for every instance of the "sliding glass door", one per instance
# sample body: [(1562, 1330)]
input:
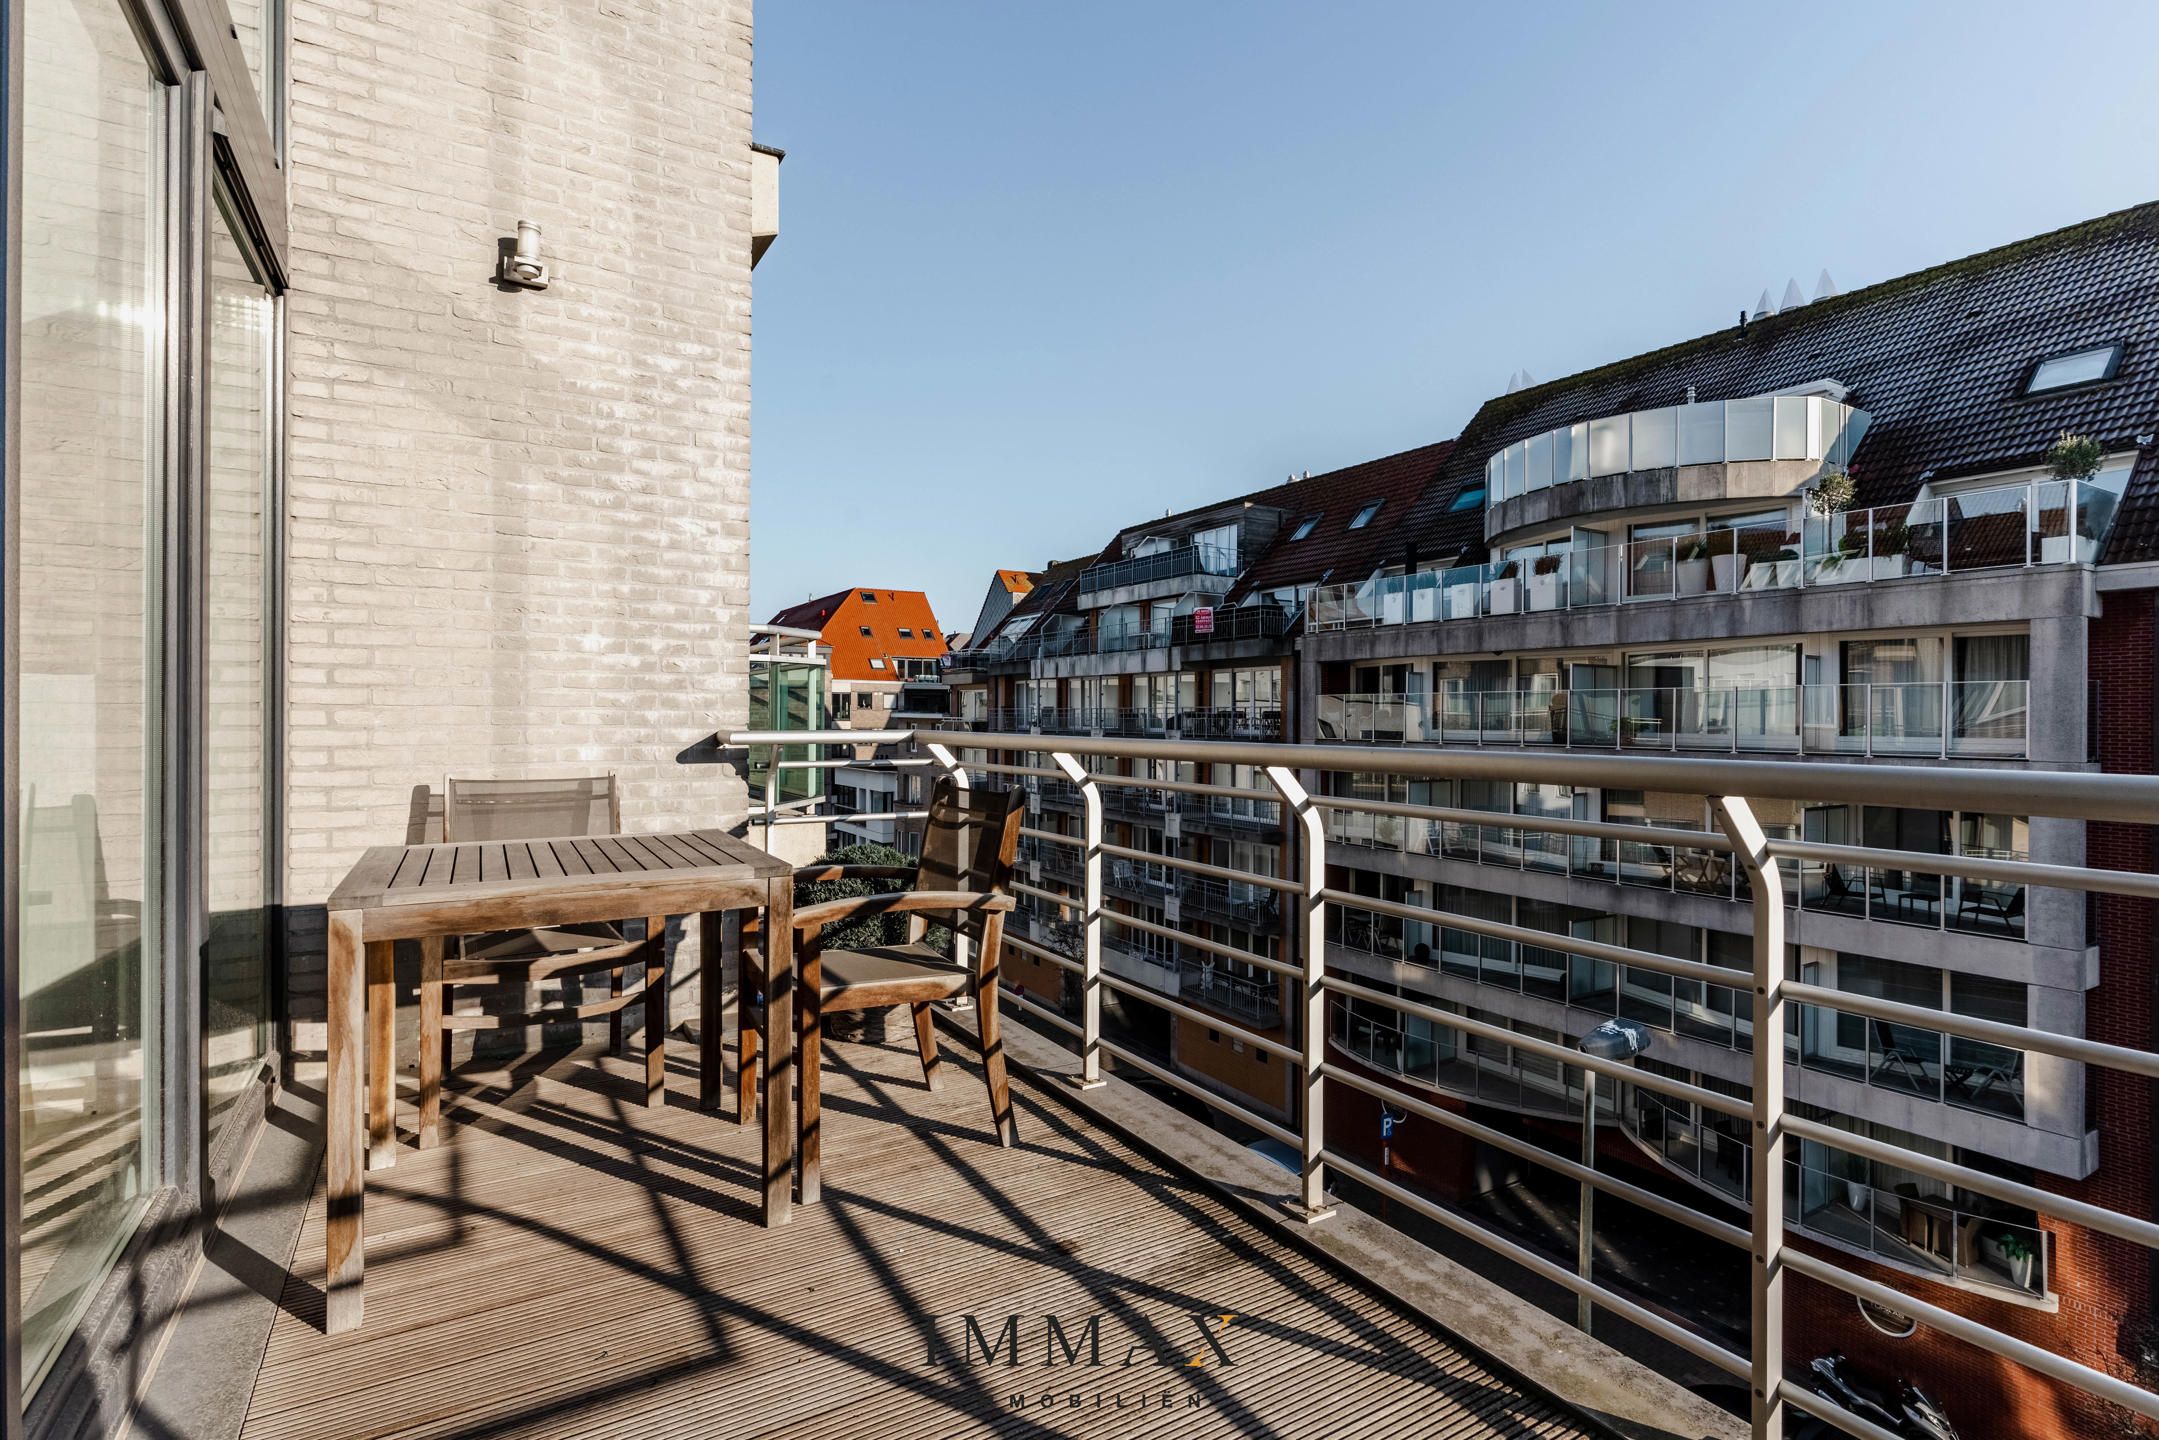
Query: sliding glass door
[(89, 334)]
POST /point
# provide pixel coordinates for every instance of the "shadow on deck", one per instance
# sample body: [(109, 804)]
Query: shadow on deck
[(573, 1264)]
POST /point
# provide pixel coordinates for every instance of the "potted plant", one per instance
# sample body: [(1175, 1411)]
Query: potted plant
[(1892, 551), (1692, 577), (1506, 584), (2017, 1254), (1544, 582), (1725, 562), (2073, 458)]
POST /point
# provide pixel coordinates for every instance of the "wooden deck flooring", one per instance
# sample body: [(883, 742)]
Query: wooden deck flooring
[(573, 1264)]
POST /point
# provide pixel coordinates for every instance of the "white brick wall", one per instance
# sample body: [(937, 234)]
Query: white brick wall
[(518, 520)]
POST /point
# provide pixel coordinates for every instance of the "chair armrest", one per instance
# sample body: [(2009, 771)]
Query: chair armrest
[(897, 902), (853, 872)]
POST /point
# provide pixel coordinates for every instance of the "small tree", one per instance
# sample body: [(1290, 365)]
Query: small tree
[(2075, 457), (1832, 494)]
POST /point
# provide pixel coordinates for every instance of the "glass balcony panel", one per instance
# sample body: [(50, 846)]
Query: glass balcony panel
[(1701, 433), (1748, 425), (1656, 439), (1578, 451), (1608, 446), (1650, 567), (1696, 1016), (1592, 717), (1648, 718), (1989, 717), (1592, 575), (1645, 996), (1906, 1058), (1985, 1077), (1905, 719), (1832, 1043), (1989, 528), (1537, 459), (1792, 431)]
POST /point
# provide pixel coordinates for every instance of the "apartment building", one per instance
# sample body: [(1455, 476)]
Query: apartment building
[(1182, 627), (884, 669), (1847, 531)]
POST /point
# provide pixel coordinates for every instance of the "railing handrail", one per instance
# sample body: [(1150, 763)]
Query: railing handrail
[(1728, 786)]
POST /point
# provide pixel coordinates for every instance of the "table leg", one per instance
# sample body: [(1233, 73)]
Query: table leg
[(381, 1055), (344, 1127), (779, 1048), (431, 1037), (655, 1010), (719, 936)]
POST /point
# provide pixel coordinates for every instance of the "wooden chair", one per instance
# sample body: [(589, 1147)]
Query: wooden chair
[(965, 877), (511, 810)]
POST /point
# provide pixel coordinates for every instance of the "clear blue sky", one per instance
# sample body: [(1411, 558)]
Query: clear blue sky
[(1045, 270)]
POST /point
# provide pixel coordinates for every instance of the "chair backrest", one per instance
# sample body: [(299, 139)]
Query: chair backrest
[(970, 843), (531, 809)]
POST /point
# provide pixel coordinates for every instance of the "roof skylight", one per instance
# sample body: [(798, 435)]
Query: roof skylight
[(2078, 367), (1304, 527), (1364, 517)]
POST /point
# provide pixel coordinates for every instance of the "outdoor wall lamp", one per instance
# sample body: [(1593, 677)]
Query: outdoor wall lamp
[(521, 265)]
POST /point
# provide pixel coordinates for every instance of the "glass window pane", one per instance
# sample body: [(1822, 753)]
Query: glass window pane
[(88, 332), (236, 977)]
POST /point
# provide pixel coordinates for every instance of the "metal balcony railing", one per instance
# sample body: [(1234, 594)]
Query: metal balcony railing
[(1779, 1139), (1925, 719), (1221, 624)]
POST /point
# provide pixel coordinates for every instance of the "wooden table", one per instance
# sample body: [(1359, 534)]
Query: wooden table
[(429, 892)]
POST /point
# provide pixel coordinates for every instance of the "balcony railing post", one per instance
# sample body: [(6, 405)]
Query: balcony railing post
[(1310, 854), (948, 762), (1090, 1075), (1766, 1160)]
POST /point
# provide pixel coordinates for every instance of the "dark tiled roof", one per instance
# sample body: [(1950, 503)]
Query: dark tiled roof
[(1052, 588), (1333, 549), (1939, 358), (2135, 535)]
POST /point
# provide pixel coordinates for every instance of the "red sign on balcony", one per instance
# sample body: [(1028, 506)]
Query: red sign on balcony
[(1203, 620)]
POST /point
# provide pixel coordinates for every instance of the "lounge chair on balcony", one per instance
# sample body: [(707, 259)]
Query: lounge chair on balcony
[(510, 810), (964, 879)]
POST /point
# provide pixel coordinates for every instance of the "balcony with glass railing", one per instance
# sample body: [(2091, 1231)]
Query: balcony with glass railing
[(1807, 428), (1932, 718), (1880, 1210), (1964, 904), (1254, 999), (1207, 566), (2018, 526)]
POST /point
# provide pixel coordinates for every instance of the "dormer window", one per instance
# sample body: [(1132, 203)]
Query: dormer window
[(1364, 517), (2078, 367), (1304, 527)]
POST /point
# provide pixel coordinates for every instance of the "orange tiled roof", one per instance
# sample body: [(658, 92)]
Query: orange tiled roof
[(841, 618)]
